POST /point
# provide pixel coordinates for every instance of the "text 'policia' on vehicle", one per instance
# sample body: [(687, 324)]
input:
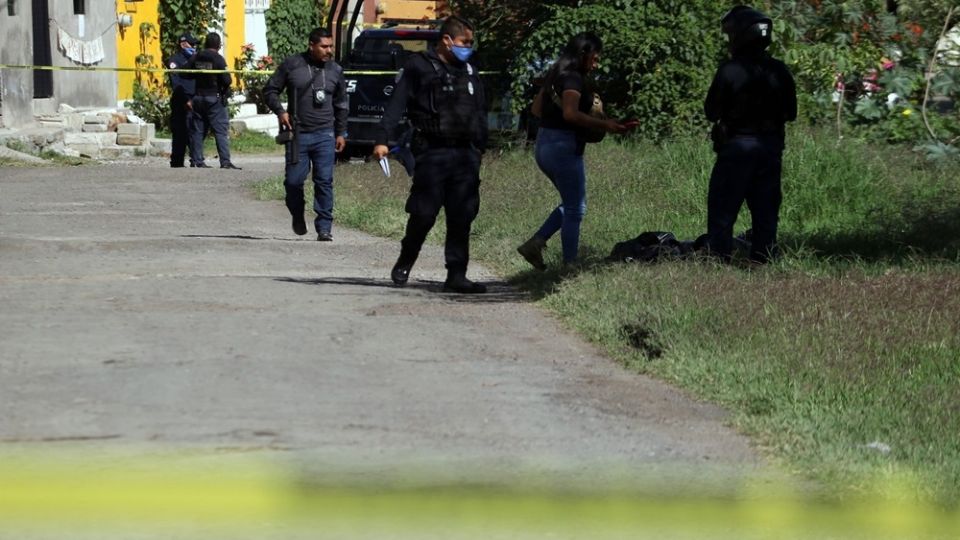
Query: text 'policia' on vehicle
[(371, 73)]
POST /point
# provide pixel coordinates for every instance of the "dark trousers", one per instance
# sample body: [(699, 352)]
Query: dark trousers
[(447, 178), (181, 123), (747, 169), (209, 114)]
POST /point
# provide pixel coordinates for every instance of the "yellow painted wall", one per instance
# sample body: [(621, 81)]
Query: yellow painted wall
[(128, 41), (408, 9), (233, 31)]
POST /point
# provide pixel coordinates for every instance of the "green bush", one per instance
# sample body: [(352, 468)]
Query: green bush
[(152, 104), (861, 51), (657, 63), (289, 23), (193, 16)]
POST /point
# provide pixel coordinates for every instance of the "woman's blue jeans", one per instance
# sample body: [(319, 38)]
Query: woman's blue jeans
[(556, 154)]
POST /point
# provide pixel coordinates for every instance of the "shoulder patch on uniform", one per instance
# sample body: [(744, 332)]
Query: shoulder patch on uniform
[(399, 75)]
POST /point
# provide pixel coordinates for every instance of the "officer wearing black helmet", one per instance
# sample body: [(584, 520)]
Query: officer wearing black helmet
[(751, 98), (182, 90), (443, 97)]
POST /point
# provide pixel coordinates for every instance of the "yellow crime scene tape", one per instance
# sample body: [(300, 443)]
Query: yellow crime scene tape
[(239, 496), (167, 70)]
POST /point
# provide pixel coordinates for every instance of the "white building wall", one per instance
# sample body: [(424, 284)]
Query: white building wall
[(255, 25)]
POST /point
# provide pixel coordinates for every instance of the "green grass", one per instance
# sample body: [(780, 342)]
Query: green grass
[(248, 142), (852, 338)]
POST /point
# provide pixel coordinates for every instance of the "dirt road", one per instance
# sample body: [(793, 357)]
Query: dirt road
[(145, 307)]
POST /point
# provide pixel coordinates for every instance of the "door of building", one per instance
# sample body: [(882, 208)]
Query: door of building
[(42, 56)]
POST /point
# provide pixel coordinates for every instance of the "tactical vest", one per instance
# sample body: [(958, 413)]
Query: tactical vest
[(454, 105)]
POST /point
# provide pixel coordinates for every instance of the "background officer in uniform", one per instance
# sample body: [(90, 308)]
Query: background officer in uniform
[(322, 108), (751, 98), (182, 90), (209, 103), (444, 100)]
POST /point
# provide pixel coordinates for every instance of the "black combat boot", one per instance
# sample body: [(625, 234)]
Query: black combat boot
[(401, 271), (457, 282)]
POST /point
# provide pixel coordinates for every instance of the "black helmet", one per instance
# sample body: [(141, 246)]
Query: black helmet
[(747, 28)]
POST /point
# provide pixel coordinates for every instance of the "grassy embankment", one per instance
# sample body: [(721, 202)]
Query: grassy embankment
[(842, 360)]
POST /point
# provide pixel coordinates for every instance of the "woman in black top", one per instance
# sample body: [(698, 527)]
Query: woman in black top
[(559, 152)]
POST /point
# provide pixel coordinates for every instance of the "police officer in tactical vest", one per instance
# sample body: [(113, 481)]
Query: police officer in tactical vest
[(443, 97), (751, 98), (182, 90), (209, 105)]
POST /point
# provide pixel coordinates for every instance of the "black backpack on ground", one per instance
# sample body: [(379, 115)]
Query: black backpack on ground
[(652, 246)]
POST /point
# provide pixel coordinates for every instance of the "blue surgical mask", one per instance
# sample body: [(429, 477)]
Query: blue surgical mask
[(189, 51), (462, 53)]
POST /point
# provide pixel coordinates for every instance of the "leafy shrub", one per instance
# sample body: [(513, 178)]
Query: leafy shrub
[(289, 23), (150, 103), (657, 60), (252, 83), (863, 67), (193, 16)]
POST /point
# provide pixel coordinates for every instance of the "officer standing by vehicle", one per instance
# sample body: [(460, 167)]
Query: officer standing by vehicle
[(751, 98), (322, 106), (182, 90), (444, 100), (209, 105)]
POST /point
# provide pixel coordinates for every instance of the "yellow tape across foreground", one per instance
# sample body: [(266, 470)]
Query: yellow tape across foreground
[(217, 496)]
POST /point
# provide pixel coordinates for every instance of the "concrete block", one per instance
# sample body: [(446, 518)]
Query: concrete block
[(128, 129), (96, 119), (90, 138), (124, 139), (163, 146), (41, 137), (44, 106), (148, 132), (65, 109), (95, 128), (246, 109), (264, 123)]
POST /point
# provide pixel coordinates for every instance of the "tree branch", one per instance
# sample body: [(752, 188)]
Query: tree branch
[(929, 74)]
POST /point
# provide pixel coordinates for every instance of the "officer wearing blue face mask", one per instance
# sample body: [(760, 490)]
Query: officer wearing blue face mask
[(444, 100), (182, 90)]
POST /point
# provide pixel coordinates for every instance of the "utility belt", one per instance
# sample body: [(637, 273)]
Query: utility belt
[(435, 141)]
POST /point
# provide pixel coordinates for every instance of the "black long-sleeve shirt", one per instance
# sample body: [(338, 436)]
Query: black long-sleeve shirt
[(209, 84), (752, 94), (413, 94), (181, 86), (302, 72)]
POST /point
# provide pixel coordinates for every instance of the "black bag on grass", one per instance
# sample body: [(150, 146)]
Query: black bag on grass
[(652, 246)]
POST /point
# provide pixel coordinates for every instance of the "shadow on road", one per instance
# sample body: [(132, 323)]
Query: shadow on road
[(497, 291), (240, 237)]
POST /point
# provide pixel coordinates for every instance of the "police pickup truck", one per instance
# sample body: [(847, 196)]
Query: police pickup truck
[(371, 67)]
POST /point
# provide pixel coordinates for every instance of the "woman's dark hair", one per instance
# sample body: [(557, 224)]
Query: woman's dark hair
[(573, 55)]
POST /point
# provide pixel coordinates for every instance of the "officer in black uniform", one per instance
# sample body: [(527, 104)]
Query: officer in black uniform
[(209, 103), (182, 90), (444, 100), (751, 98)]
